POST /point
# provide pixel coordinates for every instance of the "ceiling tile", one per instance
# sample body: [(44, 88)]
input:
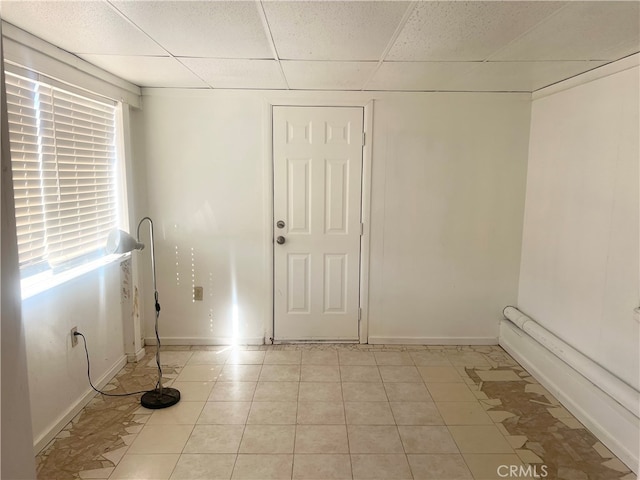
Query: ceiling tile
[(459, 31), (340, 30), (518, 76), (581, 31), (237, 73), (147, 71), (530, 44), (417, 76), (202, 29), (327, 75), (79, 27)]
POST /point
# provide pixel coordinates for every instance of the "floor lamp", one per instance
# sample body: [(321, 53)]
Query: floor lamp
[(121, 242)]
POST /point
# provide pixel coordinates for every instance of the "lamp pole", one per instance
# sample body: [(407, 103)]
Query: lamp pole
[(159, 397)]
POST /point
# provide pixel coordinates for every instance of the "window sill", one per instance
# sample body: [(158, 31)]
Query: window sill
[(42, 282)]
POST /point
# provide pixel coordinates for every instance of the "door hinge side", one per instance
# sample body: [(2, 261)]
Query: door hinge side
[(361, 229), (364, 138), (359, 314)]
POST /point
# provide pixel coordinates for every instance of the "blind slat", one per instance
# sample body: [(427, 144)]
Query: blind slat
[(77, 218), (69, 242)]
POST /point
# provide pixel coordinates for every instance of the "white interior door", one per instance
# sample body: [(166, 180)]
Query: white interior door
[(317, 162)]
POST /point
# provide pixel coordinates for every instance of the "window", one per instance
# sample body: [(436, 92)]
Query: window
[(64, 161)]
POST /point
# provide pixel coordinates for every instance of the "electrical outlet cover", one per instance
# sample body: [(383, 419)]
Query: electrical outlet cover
[(198, 293)]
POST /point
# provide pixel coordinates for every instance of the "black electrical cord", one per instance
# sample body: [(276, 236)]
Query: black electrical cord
[(86, 351), (159, 382)]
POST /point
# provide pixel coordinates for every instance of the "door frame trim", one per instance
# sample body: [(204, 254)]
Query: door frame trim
[(365, 212)]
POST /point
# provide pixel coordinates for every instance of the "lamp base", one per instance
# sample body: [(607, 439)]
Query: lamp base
[(155, 400)]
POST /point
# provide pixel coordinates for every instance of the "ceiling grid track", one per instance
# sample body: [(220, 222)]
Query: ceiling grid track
[(169, 54), (523, 34), (392, 41), (272, 44)]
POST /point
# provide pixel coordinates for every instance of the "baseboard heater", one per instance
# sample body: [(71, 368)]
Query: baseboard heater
[(616, 388), (601, 401)]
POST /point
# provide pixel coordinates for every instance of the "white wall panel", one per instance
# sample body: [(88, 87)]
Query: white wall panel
[(447, 204), (579, 274), (16, 456), (57, 371), (204, 170)]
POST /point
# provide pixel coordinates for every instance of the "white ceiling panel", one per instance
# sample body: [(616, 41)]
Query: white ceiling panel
[(79, 27), (461, 31), (237, 73), (202, 29), (147, 71), (340, 30), (518, 76), (327, 75), (512, 45), (581, 31), (417, 76)]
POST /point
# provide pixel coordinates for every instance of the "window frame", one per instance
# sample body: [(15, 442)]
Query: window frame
[(51, 277)]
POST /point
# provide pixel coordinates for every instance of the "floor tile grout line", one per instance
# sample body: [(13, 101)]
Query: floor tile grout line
[(182, 451), (346, 426), (404, 450), (295, 429), (244, 428)]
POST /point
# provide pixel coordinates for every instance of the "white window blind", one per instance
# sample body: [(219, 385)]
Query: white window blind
[(63, 152)]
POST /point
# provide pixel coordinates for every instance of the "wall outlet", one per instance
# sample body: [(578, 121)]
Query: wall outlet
[(74, 337), (198, 293)]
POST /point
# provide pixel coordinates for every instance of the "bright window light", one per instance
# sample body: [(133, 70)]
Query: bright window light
[(65, 175)]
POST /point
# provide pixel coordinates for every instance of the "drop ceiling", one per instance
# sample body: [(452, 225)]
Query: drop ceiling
[(519, 46)]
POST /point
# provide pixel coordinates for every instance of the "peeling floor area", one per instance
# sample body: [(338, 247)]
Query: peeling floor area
[(330, 411)]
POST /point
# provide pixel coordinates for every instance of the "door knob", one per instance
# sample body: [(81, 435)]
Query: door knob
[(280, 240)]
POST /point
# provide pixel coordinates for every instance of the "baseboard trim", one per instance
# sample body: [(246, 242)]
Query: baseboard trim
[(433, 340), (44, 439), (616, 427), (205, 341), (136, 357)]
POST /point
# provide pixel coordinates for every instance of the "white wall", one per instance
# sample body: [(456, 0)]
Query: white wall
[(137, 208), (447, 204), (448, 198), (58, 383), (16, 458), (579, 271), (205, 177)]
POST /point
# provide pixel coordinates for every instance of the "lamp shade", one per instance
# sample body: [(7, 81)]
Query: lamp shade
[(119, 241)]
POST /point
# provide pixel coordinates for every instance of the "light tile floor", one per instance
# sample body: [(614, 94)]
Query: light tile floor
[(330, 412)]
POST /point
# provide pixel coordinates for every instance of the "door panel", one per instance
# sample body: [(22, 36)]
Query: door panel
[(335, 286), (336, 195), (299, 283), (299, 193), (317, 157)]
